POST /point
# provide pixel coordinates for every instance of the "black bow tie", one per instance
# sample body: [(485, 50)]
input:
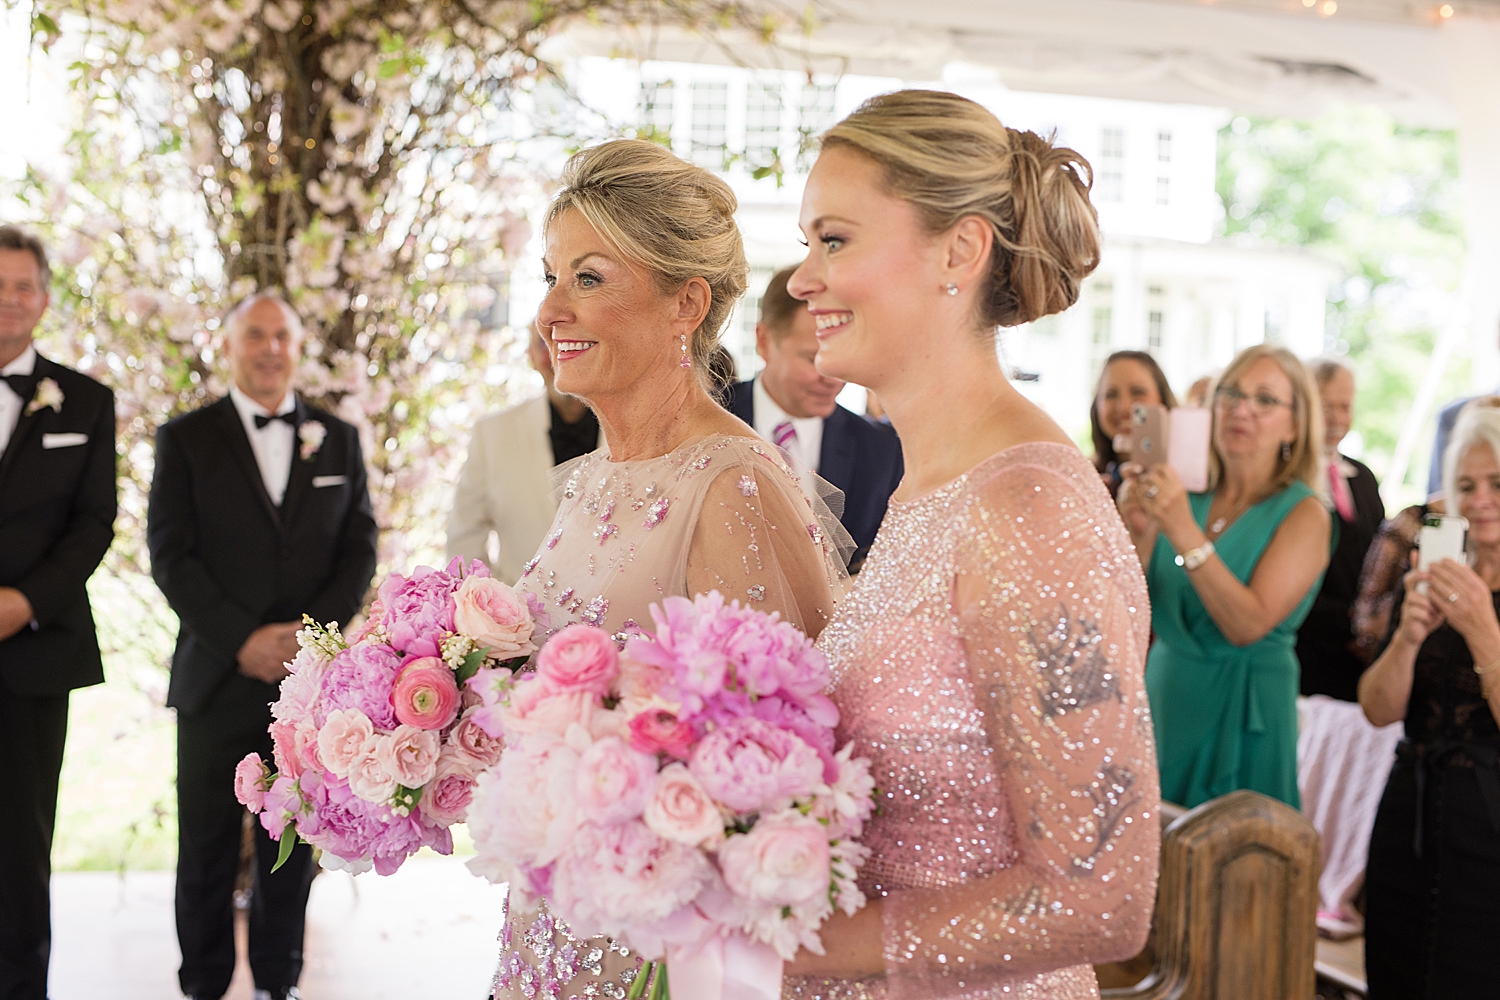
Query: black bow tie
[(290, 416), (21, 385)]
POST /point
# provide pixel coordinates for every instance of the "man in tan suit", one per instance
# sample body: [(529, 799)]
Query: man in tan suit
[(506, 483)]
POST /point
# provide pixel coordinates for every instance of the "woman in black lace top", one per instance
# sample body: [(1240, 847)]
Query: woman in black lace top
[(1433, 878)]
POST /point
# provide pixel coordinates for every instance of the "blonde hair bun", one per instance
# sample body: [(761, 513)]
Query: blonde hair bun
[(951, 158)]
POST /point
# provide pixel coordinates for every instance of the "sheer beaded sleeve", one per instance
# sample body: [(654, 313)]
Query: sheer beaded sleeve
[(1052, 614), (758, 540)]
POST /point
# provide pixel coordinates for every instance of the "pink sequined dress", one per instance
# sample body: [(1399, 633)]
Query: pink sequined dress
[(990, 663), (719, 513)]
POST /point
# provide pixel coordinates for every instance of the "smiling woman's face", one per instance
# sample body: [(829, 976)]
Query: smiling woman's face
[(871, 272), (608, 325)]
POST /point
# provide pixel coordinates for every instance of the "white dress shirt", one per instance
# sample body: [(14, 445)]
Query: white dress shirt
[(11, 403), (807, 446), (273, 444)]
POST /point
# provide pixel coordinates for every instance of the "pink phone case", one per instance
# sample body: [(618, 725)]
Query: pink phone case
[(1187, 446)]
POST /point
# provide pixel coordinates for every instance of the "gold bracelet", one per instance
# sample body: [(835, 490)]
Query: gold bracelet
[(1486, 671)]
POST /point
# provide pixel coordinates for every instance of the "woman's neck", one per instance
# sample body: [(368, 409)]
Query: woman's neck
[(647, 422), (1246, 482), (569, 407), (953, 410)]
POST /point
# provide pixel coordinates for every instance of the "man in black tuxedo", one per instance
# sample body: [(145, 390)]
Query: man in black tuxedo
[(259, 514), (57, 513), (791, 405)]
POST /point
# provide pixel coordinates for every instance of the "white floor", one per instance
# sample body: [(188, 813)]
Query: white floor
[(426, 932)]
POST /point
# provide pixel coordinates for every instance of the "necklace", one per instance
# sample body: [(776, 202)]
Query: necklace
[(1217, 525)]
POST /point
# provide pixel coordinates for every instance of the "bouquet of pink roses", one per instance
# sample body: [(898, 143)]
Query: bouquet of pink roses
[(684, 798), (375, 740)]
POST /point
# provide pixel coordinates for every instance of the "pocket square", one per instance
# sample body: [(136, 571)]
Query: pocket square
[(320, 481), (64, 440)]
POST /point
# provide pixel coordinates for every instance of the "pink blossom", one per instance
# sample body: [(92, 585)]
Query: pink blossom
[(614, 782), (305, 746), (299, 689), (525, 809), (615, 876), (471, 743), (368, 777), (656, 731), (447, 796), (342, 737), (536, 708), (579, 658), (783, 860), (418, 609), (680, 810), (251, 779), (750, 766), (850, 799), (282, 802), (426, 695), (409, 755), (364, 677), (491, 613), (284, 750), (489, 689)]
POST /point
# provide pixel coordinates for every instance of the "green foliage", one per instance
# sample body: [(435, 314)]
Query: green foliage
[(1381, 200)]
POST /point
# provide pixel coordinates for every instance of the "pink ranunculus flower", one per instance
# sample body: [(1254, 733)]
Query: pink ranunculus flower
[(493, 615), (472, 744), (342, 737), (658, 731), (750, 766), (784, 860), (368, 777), (614, 781), (447, 796), (681, 810), (536, 708), (284, 749), (251, 779), (426, 694), (579, 658), (409, 755)]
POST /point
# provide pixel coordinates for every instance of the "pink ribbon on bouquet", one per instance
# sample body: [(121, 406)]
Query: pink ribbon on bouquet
[(725, 967)]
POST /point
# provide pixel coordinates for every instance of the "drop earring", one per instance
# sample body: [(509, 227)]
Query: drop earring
[(686, 362), (1286, 451), (952, 289)]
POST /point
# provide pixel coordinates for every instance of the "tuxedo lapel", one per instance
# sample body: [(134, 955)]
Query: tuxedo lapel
[(836, 460), (233, 432), (300, 479)]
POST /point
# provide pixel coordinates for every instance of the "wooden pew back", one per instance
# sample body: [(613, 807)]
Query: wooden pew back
[(1237, 905)]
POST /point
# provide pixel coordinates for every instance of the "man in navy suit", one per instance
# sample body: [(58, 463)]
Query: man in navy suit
[(793, 406), (259, 514), (57, 513)]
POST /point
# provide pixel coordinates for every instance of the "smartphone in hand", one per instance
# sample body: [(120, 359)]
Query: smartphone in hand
[(1441, 537), (1178, 437)]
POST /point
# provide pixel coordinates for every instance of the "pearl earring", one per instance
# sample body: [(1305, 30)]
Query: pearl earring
[(686, 362), (952, 289)]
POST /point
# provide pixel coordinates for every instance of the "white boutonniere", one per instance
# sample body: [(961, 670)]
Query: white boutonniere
[(311, 434), (48, 395)]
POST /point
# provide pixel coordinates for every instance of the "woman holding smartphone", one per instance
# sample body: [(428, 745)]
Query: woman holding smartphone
[(1129, 379), (1232, 573), (1432, 884)]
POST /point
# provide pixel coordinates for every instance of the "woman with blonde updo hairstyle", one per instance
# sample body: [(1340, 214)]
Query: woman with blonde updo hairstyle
[(989, 660), (643, 263)]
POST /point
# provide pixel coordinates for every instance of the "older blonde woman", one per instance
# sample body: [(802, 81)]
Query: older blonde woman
[(643, 264), (1232, 574), (1433, 880)]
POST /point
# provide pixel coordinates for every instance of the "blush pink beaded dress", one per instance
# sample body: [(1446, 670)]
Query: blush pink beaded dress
[(989, 661)]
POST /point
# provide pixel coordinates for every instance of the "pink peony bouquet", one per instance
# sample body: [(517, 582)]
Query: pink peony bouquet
[(683, 796), (376, 740)]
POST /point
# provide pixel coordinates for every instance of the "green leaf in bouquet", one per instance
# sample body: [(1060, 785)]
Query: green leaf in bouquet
[(659, 989), (404, 800), (289, 840), (471, 664), (638, 985)]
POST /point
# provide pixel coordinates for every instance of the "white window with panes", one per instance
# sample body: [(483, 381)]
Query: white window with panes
[(1112, 165)]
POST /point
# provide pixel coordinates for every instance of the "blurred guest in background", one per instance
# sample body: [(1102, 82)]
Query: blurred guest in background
[(1386, 564), (57, 513), (505, 487), (259, 514), (1129, 379), (1197, 394), (1432, 884), (794, 407), (723, 373), (1447, 416), (1232, 574), (1326, 645)]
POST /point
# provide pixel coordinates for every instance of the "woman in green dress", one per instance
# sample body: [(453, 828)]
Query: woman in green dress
[(1232, 574)]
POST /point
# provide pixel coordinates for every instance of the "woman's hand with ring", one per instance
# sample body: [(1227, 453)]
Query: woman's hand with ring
[(1464, 600), (1419, 612), (1164, 499)]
